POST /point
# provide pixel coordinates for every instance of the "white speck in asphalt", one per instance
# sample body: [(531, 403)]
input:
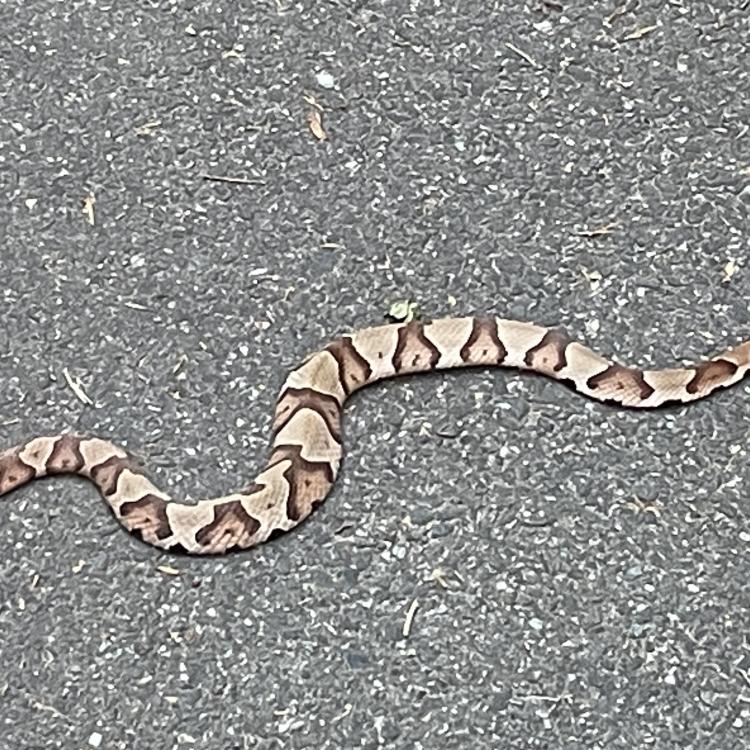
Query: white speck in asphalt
[(326, 80)]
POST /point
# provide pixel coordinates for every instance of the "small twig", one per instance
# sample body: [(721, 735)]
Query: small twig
[(51, 709), (313, 102), (233, 180), (134, 305), (539, 523), (180, 363), (621, 10), (530, 60), (347, 710), (606, 229), (409, 618), (75, 385), (404, 41), (148, 127), (536, 697), (639, 33), (168, 570)]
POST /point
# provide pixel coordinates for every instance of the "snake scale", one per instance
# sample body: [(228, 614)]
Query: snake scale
[(306, 448)]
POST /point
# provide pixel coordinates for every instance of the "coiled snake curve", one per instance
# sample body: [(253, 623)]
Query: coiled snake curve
[(306, 449)]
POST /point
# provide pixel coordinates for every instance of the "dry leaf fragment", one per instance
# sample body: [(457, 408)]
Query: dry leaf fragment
[(315, 121), (88, 208), (730, 269), (641, 506), (235, 52), (593, 277), (404, 311)]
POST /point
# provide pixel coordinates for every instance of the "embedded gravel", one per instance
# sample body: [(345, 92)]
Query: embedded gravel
[(572, 575)]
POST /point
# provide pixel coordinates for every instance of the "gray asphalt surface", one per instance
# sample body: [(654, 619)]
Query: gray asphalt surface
[(580, 573)]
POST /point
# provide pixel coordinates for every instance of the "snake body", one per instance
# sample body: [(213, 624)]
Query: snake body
[(306, 449)]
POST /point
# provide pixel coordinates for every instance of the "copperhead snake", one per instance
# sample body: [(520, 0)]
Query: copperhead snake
[(306, 449)]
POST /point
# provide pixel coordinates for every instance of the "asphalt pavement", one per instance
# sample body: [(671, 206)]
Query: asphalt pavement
[(501, 564)]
